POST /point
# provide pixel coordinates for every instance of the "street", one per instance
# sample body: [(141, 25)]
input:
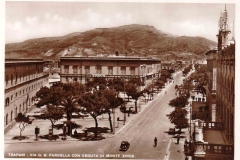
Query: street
[(140, 132)]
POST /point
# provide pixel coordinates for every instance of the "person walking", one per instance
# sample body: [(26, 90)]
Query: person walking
[(155, 142), (178, 138)]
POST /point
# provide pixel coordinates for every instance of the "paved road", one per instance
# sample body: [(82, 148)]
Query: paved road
[(150, 123)]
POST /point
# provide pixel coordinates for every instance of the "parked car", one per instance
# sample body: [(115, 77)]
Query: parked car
[(124, 146), (173, 131), (77, 115)]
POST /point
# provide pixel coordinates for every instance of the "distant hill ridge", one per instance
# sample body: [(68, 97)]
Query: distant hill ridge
[(133, 40)]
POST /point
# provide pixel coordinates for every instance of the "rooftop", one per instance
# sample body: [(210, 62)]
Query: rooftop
[(109, 58)]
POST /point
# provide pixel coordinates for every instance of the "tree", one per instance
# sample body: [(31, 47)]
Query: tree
[(116, 84), (159, 84), (181, 101), (178, 118), (52, 95), (133, 91), (95, 104), (23, 122), (101, 82), (70, 105), (114, 102), (75, 88), (136, 81), (52, 113), (149, 90)]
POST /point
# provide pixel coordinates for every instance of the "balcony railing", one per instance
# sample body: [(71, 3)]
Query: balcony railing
[(208, 151)]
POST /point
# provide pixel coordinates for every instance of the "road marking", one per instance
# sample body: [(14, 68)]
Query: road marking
[(121, 128), (167, 151)]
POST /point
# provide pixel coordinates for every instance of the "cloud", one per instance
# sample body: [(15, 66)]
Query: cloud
[(190, 27), (31, 20), (106, 20), (16, 26), (57, 18), (52, 24), (193, 28)]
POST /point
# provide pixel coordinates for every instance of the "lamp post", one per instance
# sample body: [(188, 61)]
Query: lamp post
[(113, 110), (124, 118)]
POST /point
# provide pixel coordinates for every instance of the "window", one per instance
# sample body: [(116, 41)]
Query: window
[(123, 70), (217, 149), (11, 116), (110, 70), (66, 69), (6, 79), (132, 70), (7, 102), (75, 69), (87, 70), (98, 69), (11, 79), (6, 119)]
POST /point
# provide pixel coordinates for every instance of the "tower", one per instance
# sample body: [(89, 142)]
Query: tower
[(223, 30)]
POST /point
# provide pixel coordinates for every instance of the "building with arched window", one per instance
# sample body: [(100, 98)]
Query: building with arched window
[(23, 77)]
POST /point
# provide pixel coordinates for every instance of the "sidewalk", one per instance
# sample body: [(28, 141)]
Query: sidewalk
[(87, 122)]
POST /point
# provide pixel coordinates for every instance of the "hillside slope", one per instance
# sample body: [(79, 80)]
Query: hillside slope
[(141, 40)]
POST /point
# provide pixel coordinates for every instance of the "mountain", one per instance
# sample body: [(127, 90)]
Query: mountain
[(134, 40)]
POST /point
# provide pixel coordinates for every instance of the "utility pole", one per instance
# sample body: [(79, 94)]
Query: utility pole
[(113, 110)]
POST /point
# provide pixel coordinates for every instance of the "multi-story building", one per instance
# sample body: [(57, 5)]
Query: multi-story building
[(214, 139), (82, 68), (23, 77), (225, 79), (167, 65), (226, 90), (211, 83)]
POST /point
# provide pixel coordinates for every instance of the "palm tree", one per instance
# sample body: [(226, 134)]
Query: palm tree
[(70, 105)]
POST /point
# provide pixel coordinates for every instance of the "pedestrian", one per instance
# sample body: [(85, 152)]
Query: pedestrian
[(75, 132), (178, 138), (155, 142)]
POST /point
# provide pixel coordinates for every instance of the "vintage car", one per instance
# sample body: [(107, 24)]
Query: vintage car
[(173, 131), (124, 146)]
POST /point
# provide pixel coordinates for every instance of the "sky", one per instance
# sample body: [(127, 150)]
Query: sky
[(34, 19)]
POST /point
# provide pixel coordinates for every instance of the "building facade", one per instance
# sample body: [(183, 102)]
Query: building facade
[(214, 139), (225, 79), (23, 77), (226, 90), (211, 82), (81, 69)]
